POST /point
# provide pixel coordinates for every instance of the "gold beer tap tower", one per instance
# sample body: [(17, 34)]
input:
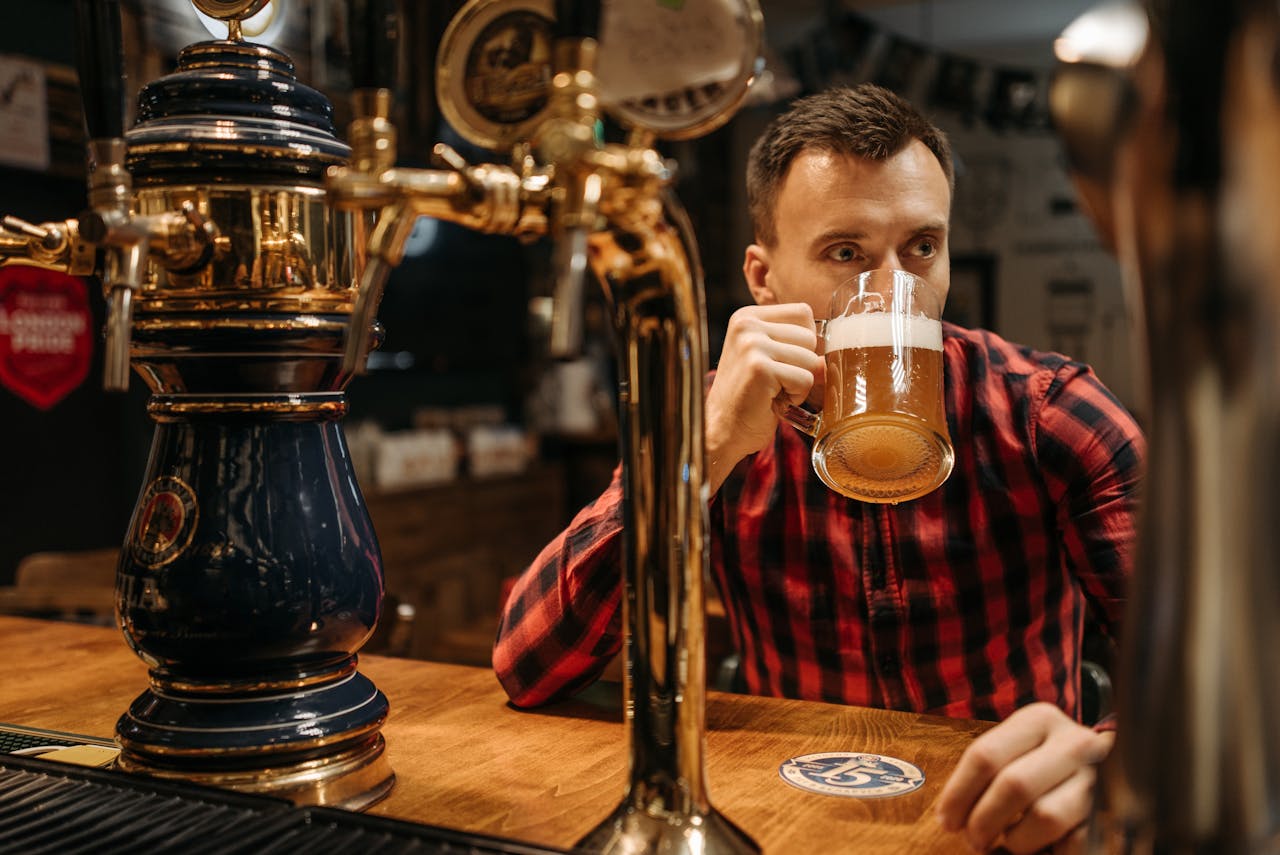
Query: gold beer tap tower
[(609, 210), (1169, 112)]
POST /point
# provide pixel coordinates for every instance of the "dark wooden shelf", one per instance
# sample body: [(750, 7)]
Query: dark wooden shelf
[(446, 548)]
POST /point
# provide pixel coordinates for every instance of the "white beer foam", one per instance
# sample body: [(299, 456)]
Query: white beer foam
[(883, 329)]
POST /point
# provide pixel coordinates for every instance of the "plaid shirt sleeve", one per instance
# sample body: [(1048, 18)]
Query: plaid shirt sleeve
[(1091, 453), (562, 622)]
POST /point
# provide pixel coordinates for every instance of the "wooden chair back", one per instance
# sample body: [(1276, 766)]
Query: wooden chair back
[(72, 585)]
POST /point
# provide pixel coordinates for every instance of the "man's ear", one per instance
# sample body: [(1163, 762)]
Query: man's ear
[(756, 269)]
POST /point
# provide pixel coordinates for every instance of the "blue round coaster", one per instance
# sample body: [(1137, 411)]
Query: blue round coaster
[(846, 773)]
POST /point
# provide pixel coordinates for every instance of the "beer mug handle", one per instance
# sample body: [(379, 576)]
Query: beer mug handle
[(798, 417)]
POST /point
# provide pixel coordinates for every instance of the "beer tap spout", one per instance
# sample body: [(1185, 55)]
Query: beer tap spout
[(570, 264), (386, 248), (122, 267)]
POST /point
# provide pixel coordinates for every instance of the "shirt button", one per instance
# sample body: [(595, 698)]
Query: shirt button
[(888, 663)]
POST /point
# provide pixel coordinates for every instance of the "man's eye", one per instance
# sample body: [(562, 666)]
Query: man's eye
[(842, 253), (926, 248)]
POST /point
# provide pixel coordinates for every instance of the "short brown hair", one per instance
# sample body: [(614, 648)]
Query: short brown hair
[(865, 121)]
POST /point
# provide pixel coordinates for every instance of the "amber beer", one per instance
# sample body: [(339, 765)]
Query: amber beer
[(882, 433)]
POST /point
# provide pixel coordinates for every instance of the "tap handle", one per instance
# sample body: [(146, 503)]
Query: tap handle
[(446, 156), (100, 64), (373, 26), (577, 19), (24, 228)]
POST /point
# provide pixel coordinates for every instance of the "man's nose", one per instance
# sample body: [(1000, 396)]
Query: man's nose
[(887, 260)]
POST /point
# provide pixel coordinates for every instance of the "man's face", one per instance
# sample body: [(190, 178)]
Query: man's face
[(838, 215)]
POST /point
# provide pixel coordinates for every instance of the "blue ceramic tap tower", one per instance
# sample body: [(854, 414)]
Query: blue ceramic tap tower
[(250, 575)]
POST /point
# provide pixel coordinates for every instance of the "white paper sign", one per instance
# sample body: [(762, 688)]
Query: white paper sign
[(24, 114), (661, 46)]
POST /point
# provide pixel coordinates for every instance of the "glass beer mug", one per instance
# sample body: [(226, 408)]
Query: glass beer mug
[(882, 433)]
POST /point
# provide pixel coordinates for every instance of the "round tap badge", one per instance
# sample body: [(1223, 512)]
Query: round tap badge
[(859, 776), (165, 522), (494, 69), (509, 68)]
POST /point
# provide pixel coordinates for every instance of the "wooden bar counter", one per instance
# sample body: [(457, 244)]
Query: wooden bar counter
[(465, 759)]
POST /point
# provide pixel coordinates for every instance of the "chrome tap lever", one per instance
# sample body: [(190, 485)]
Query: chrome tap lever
[(488, 198), (570, 263)]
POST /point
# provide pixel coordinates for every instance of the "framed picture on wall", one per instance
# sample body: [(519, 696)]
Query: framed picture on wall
[(971, 302)]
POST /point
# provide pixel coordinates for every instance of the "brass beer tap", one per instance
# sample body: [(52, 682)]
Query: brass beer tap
[(174, 239)]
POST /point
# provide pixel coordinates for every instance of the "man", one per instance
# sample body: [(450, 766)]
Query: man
[(967, 602)]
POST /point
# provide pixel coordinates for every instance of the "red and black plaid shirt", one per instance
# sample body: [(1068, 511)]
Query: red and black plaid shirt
[(967, 602)]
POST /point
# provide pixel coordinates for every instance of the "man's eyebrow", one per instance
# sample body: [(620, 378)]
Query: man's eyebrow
[(832, 235), (836, 235)]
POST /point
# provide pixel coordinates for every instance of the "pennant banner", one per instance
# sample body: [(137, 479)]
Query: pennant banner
[(46, 334)]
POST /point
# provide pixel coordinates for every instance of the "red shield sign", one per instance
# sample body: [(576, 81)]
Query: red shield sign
[(46, 334)]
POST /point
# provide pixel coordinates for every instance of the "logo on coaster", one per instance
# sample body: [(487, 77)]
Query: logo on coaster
[(165, 523), (859, 776)]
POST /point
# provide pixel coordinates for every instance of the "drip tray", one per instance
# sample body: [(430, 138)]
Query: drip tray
[(49, 807)]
